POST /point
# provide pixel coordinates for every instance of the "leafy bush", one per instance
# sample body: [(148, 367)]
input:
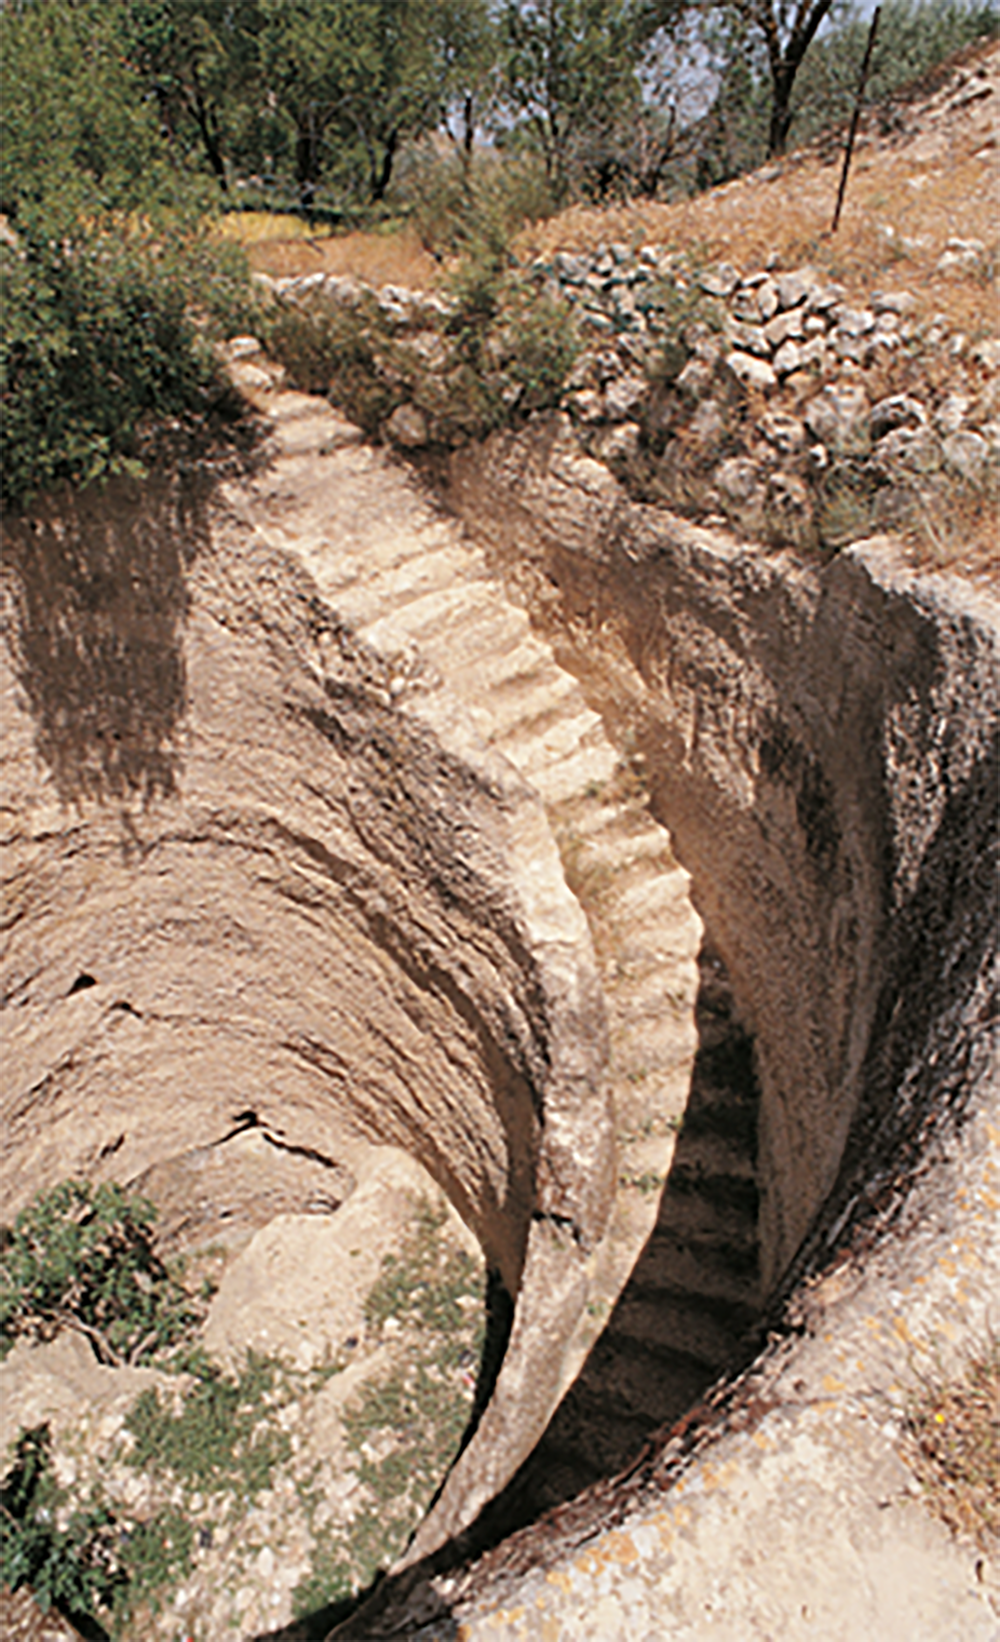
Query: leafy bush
[(342, 350), (82, 1557), (102, 351), (83, 1258), (495, 352), (456, 206), (74, 1566), (544, 347), (78, 133)]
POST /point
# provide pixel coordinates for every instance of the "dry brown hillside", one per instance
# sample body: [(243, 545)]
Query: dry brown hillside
[(935, 178), (919, 238)]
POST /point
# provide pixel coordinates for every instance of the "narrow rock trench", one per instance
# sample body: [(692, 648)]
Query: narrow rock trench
[(687, 1313), (382, 879)]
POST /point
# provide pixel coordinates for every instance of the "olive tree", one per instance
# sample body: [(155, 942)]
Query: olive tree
[(199, 57), (570, 77), (75, 129), (352, 79)]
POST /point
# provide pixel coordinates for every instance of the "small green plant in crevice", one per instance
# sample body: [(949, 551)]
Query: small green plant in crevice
[(85, 1557), (651, 1180), (331, 1578), (222, 1437), (157, 1554), (951, 1440), (679, 312), (406, 1427), (69, 1559), (82, 1257)]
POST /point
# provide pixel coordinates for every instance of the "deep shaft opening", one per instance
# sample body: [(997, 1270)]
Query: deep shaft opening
[(299, 997), (687, 1314)]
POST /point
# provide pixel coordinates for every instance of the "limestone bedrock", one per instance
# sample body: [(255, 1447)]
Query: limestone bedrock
[(821, 741), (248, 886)]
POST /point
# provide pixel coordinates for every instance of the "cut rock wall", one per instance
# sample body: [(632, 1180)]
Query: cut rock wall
[(246, 885), (256, 869), (821, 743)]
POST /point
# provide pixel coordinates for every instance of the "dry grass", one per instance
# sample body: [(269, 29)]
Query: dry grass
[(905, 199), (908, 195), (283, 246), (952, 1442), (936, 177)]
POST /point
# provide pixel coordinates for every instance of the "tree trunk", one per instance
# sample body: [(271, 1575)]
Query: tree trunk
[(380, 178), (209, 134), (786, 62), (781, 112), (468, 134), (306, 161)]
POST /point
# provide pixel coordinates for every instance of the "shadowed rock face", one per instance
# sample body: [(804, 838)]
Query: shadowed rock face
[(275, 898), (100, 595), (822, 745)]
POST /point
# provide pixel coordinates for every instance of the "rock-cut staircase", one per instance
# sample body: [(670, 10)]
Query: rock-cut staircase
[(674, 1283)]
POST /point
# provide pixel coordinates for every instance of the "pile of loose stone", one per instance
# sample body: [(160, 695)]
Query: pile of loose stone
[(778, 402), (765, 399)]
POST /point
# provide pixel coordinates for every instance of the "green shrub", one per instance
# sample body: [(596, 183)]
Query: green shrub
[(105, 349), (501, 350), (83, 1557), (345, 351), (406, 1427), (455, 206), (82, 1257), (78, 131), (74, 1565), (544, 347), (222, 1437)]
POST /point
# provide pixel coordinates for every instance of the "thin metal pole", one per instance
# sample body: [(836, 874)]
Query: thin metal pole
[(855, 118)]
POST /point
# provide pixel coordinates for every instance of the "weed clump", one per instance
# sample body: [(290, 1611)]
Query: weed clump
[(222, 1438), (952, 1443), (69, 1560), (406, 1428), (491, 352), (84, 1557), (194, 1476), (82, 1257)]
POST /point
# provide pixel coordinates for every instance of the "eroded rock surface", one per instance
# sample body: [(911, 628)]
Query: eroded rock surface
[(823, 745), (366, 1334), (283, 904), (317, 903)]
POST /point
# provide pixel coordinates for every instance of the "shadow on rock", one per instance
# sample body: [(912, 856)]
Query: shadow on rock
[(97, 585), (687, 1315), (691, 1302)]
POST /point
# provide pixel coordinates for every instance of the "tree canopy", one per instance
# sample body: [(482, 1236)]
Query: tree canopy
[(76, 128), (114, 102)]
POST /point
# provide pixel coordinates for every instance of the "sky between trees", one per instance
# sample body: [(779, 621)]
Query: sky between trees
[(325, 102)]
